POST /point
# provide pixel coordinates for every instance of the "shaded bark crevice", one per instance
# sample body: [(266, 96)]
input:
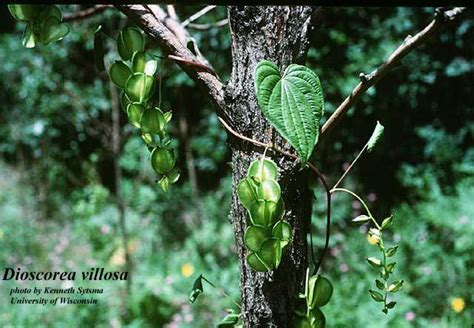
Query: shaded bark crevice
[(279, 34)]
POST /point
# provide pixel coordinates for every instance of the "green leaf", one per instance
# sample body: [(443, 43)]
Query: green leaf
[(395, 286), (282, 231), (387, 222), (319, 291), (130, 40), (270, 253), (152, 121), (197, 289), (119, 74), (164, 183), (53, 30), (162, 160), (314, 319), (391, 267), (134, 113), (379, 284), (99, 49), (229, 320), (173, 176), (246, 192), (255, 263), (24, 12), (293, 104), (392, 251), (139, 87), (29, 39), (391, 305), (376, 263), (168, 115), (376, 135), (361, 219), (263, 169), (269, 190), (254, 237), (378, 297)]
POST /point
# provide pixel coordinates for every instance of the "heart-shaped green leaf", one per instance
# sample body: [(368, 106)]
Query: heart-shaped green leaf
[(119, 73), (263, 169), (254, 237), (246, 192), (162, 160), (255, 263), (293, 104), (282, 231), (130, 40), (319, 291), (269, 190), (152, 121), (139, 87), (134, 113), (53, 30), (24, 12), (270, 253)]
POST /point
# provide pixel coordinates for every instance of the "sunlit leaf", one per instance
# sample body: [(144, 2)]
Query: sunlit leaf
[(293, 104), (197, 289), (376, 135)]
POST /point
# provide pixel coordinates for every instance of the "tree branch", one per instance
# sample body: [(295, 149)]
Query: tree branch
[(200, 13), (171, 37), (442, 18), (86, 13), (202, 27)]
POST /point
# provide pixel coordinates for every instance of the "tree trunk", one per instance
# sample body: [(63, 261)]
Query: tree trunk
[(278, 34)]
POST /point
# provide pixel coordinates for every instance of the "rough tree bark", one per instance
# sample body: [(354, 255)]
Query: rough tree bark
[(279, 34)]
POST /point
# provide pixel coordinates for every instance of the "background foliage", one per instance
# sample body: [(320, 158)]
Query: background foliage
[(57, 204)]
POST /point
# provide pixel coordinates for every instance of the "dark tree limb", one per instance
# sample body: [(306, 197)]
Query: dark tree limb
[(86, 13), (170, 35), (442, 18)]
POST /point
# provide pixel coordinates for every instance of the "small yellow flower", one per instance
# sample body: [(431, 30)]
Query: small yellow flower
[(187, 270), (118, 258), (372, 239), (458, 304), (1, 233)]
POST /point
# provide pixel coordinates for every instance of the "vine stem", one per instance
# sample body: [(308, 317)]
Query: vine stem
[(360, 200), (221, 291), (350, 167)]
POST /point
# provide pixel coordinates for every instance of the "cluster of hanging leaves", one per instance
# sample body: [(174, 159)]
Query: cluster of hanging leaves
[(317, 293), (135, 75), (386, 286), (267, 233), (43, 23), (292, 103)]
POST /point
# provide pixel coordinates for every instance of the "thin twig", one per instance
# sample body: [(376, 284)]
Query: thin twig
[(203, 27), (441, 19), (200, 13), (350, 167), (86, 13)]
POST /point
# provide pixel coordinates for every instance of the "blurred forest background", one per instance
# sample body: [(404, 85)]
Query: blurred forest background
[(58, 204)]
